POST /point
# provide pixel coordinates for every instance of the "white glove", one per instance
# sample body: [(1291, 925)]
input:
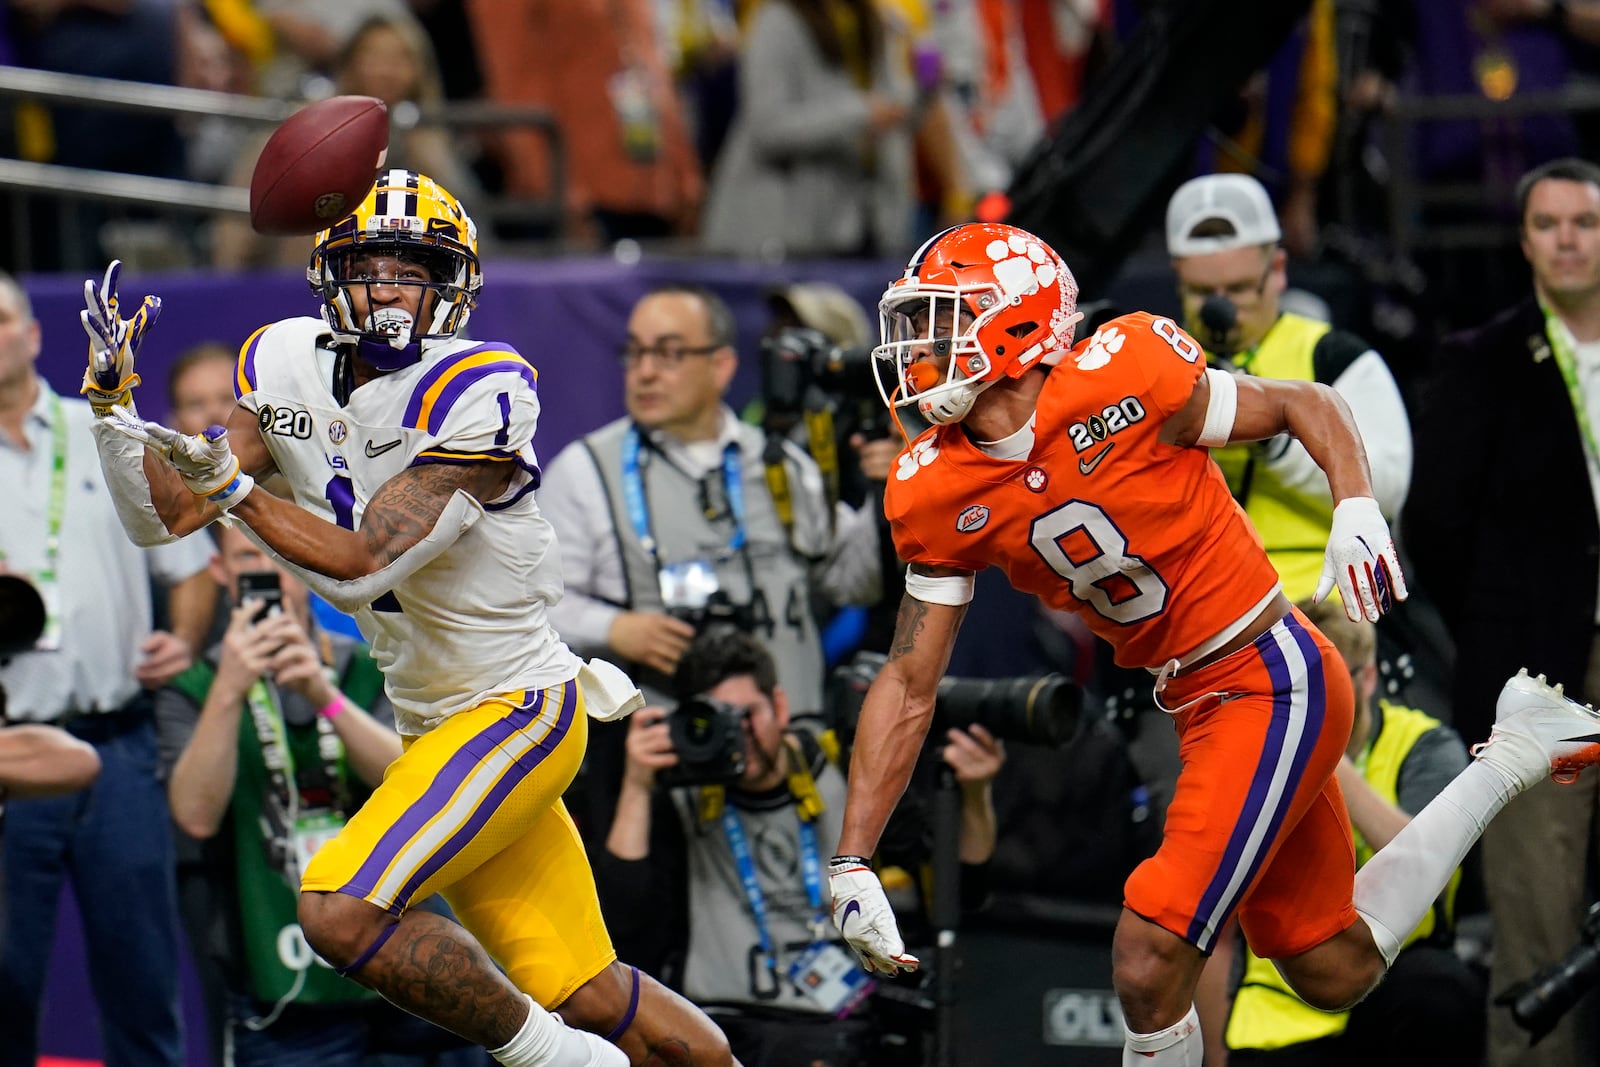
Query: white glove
[(1361, 559), (204, 461), (863, 916), (113, 341)]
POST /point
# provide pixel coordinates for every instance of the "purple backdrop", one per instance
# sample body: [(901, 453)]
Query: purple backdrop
[(567, 316)]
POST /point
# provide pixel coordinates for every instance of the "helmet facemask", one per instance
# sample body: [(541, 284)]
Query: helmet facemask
[(416, 223), (939, 364)]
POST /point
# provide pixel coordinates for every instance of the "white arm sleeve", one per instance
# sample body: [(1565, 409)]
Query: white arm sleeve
[(349, 595), (1220, 409), (122, 462), (951, 590)]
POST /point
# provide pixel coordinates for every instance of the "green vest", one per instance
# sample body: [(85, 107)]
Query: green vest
[(1293, 527), (280, 963), (1266, 1012)]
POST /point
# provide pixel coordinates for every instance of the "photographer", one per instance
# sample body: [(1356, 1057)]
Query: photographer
[(267, 749), (725, 881), (678, 516)]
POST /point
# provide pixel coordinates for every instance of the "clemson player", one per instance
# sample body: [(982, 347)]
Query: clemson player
[(1084, 473), (409, 453)]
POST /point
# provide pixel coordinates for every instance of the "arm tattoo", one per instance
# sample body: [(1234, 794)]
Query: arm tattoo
[(408, 505), (908, 626)]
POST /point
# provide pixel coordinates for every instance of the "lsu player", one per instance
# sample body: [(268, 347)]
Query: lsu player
[(1083, 472), (409, 453)]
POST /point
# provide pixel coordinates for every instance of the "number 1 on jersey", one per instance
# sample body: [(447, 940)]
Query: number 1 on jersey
[(1120, 586)]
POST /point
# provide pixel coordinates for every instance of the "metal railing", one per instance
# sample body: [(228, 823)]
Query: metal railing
[(54, 89), (1410, 196)]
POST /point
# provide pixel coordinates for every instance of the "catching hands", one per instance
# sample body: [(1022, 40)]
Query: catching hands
[(1361, 560), (204, 461), (861, 912), (113, 342)]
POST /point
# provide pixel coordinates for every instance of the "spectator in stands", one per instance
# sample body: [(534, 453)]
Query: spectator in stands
[(90, 674), (629, 165), (1223, 237), (267, 745), (1012, 68), (722, 883), (132, 40), (387, 56), (200, 387), (678, 515), (820, 158), (1524, 385), (1430, 1006)]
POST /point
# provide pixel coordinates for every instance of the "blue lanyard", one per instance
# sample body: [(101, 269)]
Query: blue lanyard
[(639, 509), (810, 873)]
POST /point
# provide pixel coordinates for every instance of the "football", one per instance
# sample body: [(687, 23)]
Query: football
[(318, 166)]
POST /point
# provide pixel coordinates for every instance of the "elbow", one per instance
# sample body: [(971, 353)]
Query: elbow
[(193, 818)]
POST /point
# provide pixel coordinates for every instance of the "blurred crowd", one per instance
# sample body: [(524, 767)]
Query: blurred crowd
[(783, 129)]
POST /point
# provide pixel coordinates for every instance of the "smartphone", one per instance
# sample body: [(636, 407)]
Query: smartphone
[(263, 586)]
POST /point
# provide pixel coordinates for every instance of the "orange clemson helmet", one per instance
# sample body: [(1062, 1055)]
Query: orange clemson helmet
[(978, 302)]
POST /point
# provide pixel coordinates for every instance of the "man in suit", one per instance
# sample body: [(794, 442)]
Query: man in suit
[(1507, 468)]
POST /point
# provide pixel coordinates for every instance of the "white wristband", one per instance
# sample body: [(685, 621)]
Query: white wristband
[(1220, 409)]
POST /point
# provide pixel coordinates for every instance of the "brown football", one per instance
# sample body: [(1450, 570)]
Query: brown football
[(319, 165)]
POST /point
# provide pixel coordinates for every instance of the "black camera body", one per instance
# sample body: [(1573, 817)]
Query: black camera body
[(708, 736), (1045, 709), (720, 610), (1538, 1003), (801, 371)]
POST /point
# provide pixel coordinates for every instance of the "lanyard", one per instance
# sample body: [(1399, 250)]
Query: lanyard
[(1567, 362), (267, 716), (810, 873), (55, 510), (638, 507)]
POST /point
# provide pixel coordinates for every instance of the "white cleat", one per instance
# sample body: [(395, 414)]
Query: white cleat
[(1539, 731)]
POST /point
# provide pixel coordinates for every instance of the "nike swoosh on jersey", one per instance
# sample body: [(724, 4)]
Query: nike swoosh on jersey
[(1087, 466), (374, 451)]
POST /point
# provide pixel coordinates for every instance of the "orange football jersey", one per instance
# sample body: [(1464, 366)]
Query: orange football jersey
[(1140, 538)]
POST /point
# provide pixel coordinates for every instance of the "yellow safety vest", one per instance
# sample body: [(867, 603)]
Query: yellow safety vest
[(1266, 1012), (1293, 527)]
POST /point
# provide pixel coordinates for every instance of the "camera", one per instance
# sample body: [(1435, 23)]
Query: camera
[(1045, 709), (264, 586), (22, 615), (801, 371), (1538, 1003), (708, 736)]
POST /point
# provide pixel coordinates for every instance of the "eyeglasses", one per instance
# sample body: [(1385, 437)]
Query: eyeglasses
[(669, 352), (1238, 292)]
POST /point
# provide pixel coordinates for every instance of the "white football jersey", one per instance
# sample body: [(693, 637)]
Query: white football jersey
[(472, 623)]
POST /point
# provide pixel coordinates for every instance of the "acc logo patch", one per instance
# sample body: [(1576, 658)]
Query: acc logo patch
[(1035, 478), (920, 456), (972, 519), (1106, 343)]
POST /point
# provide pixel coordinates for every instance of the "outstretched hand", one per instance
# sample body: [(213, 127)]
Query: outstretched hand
[(113, 341)]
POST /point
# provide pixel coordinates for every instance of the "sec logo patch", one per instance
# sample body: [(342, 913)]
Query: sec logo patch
[(1035, 478), (972, 519)]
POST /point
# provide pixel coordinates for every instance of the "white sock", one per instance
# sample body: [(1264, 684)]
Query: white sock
[(547, 1041), (1176, 1046), (1402, 880)]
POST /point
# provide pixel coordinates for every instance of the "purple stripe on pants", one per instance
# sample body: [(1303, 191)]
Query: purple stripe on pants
[(525, 765), (438, 794)]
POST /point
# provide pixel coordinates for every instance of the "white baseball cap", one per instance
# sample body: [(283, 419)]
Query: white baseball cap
[(1237, 199)]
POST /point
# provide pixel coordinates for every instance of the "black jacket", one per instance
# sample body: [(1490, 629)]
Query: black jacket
[(1500, 523)]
